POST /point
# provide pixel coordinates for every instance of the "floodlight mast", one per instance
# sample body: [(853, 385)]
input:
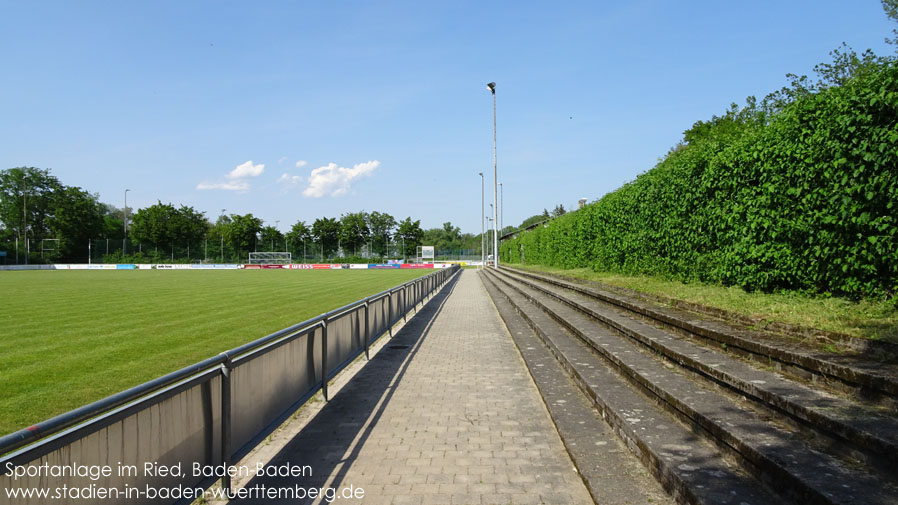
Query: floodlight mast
[(501, 206), (493, 227), (492, 88)]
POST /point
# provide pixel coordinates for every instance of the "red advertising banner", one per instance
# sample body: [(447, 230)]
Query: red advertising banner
[(260, 267), (417, 265)]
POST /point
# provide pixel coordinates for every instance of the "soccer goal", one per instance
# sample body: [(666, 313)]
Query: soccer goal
[(270, 258)]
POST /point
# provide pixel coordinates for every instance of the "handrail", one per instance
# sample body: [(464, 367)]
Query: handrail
[(66, 420)]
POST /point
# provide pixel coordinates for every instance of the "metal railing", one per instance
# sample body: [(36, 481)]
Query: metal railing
[(211, 413)]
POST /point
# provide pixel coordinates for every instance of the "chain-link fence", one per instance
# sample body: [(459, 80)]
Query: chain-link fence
[(35, 251), (40, 251)]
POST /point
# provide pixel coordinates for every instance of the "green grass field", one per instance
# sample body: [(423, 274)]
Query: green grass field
[(865, 319), (73, 337)]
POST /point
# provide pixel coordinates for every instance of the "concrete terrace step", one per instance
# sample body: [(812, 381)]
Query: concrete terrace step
[(867, 428), (690, 468), (610, 471), (877, 376), (772, 448)]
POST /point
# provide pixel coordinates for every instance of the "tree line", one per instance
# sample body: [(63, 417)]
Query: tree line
[(36, 205)]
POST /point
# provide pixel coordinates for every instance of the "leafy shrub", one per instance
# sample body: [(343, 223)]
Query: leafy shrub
[(802, 199)]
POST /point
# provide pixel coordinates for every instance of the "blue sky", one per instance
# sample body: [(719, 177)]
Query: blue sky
[(296, 110)]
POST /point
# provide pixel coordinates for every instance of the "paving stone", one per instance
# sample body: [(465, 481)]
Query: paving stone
[(446, 420)]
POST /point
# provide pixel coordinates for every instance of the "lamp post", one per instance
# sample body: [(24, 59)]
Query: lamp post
[(482, 231), (489, 242), (492, 227), (276, 221), (125, 224), (492, 87), (501, 208)]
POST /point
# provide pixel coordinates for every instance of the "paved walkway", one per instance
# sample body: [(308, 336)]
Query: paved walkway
[(445, 413)]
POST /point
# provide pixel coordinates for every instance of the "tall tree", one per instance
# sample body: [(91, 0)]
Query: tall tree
[(218, 235), (271, 238), (27, 197), (326, 231), (381, 225), (163, 224), (243, 233), (113, 226), (298, 236), (409, 234), (189, 225), (891, 9), (153, 224), (443, 239), (77, 217), (354, 231)]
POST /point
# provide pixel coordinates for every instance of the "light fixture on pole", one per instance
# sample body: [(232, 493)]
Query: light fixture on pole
[(492, 88), (482, 231)]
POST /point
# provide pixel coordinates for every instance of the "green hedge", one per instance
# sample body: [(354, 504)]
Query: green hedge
[(804, 199)]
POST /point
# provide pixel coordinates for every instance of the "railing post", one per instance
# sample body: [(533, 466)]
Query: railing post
[(390, 312), (324, 358), (366, 330), (226, 423), (405, 303)]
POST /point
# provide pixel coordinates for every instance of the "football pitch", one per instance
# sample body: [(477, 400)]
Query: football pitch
[(74, 337)]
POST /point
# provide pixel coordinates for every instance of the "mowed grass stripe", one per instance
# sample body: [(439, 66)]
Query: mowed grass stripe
[(73, 337)]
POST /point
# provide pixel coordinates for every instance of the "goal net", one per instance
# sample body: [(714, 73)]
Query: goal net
[(270, 258)]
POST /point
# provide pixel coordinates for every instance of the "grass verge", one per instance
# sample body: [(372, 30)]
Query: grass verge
[(74, 337), (876, 320)]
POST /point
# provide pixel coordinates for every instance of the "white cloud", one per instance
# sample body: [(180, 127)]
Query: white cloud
[(282, 159), (236, 180), (288, 181), (332, 180), (301, 163), (246, 170), (238, 185)]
